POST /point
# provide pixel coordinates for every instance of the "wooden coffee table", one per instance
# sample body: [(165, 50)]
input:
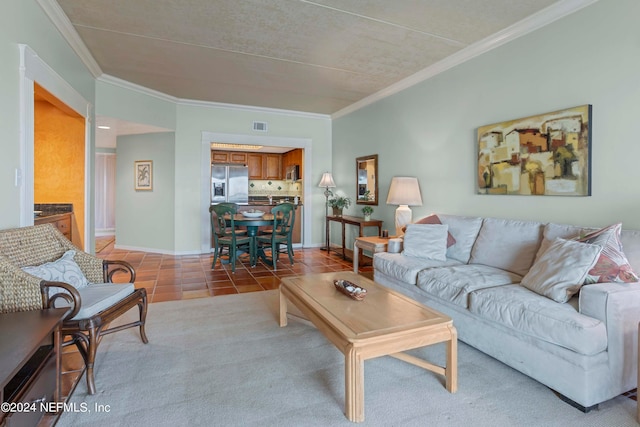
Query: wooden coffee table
[(384, 323)]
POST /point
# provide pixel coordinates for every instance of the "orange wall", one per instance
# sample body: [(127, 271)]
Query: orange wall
[(59, 162)]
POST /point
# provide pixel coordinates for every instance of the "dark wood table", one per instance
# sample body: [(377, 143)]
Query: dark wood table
[(30, 361), (351, 220), (253, 224)]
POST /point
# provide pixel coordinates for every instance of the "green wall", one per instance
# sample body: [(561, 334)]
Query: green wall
[(145, 219), (192, 120), (24, 22), (429, 130)]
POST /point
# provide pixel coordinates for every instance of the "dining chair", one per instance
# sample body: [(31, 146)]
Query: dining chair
[(284, 217), (225, 234)]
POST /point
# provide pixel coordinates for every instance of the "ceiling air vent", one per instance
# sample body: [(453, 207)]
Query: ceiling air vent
[(260, 126)]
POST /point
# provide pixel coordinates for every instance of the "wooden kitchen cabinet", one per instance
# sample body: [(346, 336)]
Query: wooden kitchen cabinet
[(292, 158), (264, 166), (255, 162), (61, 221), (235, 157), (273, 166), (219, 157)]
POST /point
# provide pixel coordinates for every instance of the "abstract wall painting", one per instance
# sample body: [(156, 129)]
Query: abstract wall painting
[(548, 154)]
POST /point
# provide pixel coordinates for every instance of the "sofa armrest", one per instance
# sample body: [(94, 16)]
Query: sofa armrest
[(111, 267), (72, 298), (617, 305)]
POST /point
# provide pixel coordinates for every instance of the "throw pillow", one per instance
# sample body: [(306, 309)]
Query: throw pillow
[(434, 220), (426, 241), (562, 269), (612, 266), (63, 269)]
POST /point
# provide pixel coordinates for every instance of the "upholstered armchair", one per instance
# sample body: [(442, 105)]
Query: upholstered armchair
[(40, 268)]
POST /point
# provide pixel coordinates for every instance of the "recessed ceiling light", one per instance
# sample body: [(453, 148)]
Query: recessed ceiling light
[(104, 127)]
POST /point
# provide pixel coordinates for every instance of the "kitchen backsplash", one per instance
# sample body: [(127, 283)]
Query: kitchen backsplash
[(275, 188)]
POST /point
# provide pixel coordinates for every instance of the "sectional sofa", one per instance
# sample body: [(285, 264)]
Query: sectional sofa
[(498, 280)]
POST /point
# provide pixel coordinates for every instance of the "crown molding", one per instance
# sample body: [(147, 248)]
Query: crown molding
[(60, 20), (125, 84), (534, 22), (253, 109), (106, 78)]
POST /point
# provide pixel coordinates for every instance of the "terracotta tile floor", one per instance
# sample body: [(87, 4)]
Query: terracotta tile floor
[(168, 277)]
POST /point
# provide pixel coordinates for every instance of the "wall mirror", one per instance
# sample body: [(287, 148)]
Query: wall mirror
[(367, 180)]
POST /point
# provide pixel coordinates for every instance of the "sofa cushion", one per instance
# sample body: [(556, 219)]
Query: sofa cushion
[(433, 219), (97, 297), (64, 269), (523, 310), (561, 271), (405, 268), (612, 266), (507, 244), (454, 283), (465, 230), (427, 241)]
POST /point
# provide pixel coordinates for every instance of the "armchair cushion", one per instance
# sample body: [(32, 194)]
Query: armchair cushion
[(97, 297), (63, 269)]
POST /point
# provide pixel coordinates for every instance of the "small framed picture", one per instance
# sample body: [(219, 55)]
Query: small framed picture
[(143, 175)]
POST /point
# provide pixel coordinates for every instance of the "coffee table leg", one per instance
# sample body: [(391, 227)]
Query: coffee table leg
[(452, 361), (353, 386), (283, 309)]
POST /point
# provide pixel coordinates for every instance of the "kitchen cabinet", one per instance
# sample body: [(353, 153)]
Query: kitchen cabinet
[(235, 157), (273, 166), (292, 158), (61, 221), (265, 166), (255, 162)]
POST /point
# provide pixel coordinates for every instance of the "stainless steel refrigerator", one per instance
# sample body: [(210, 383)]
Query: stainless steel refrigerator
[(229, 183)]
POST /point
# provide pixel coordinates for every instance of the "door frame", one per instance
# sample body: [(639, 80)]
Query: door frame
[(269, 141), (35, 70)]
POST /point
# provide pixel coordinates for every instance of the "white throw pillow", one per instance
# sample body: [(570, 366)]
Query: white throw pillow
[(63, 269), (426, 241), (561, 270)]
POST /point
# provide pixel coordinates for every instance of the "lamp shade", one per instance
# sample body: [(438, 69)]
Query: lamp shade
[(404, 190), (327, 181)]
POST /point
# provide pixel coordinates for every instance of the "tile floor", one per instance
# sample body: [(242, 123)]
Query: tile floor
[(168, 277)]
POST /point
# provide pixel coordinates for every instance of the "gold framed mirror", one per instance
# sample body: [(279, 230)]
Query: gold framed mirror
[(367, 180)]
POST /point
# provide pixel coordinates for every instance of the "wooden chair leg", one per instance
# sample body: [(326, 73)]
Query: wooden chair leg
[(142, 306), (92, 347)]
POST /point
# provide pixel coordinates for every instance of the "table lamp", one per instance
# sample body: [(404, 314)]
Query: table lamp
[(404, 191)]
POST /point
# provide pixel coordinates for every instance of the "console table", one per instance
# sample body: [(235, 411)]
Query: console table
[(29, 364), (351, 220)]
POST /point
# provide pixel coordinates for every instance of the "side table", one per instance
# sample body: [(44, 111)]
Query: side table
[(369, 243)]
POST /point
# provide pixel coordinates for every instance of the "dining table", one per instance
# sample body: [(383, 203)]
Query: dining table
[(253, 224)]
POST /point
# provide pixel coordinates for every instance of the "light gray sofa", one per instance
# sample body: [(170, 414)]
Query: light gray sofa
[(585, 349)]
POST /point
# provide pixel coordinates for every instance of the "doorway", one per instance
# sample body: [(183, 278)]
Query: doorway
[(59, 159), (33, 70)]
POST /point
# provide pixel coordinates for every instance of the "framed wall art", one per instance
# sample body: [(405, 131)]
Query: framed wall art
[(544, 155), (143, 173)]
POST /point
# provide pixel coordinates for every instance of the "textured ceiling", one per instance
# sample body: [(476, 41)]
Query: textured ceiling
[(314, 56)]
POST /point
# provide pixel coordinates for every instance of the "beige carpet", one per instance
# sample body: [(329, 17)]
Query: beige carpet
[(224, 361)]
